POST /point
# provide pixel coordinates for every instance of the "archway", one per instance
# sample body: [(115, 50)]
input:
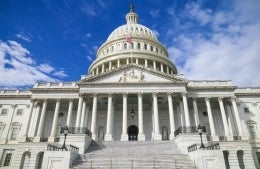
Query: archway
[(132, 133), (25, 160)]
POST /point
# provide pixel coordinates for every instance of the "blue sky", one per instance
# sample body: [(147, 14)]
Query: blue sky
[(48, 40)]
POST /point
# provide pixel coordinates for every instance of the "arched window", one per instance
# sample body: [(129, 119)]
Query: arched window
[(151, 48), (25, 161), (240, 157), (226, 154), (39, 160)]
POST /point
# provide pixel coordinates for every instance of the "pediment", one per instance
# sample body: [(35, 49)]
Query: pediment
[(134, 74)]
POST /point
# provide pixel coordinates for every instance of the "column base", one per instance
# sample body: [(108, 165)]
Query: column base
[(124, 137), (157, 137), (3, 140), (94, 137), (230, 138), (172, 136), (244, 137), (37, 139), (214, 138), (23, 139), (51, 139), (108, 137), (141, 137)]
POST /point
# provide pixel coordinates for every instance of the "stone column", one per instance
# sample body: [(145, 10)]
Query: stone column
[(156, 134), (97, 71), (124, 136), (211, 121), (238, 121), (161, 67), (224, 118), (40, 127), (79, 111), (136, 61), (108, 136), (168, 70), (54, 122), (69, 112), (141, 136), (23, 139), (110, 65), (171, 116), (103, 68), (154, 65), (145, 63), (94, 117), (118, 63), (127, 61), (186, 109), (83, 113), (182, 118), (196, 113)]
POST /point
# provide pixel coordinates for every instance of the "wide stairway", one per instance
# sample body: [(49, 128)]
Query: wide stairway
[(134, 155)]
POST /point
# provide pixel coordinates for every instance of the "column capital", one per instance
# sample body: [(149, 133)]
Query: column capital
[(125, 94), (95, 94), (184, 94), (71, 99), (13, 105), (110, 94), (220, 99), (194, 98), (207, 98), (155, 93), (81, 94), (233, 98), (169, 93), (139, 93)]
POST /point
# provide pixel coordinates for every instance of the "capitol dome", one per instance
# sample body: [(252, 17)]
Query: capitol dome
[(132, 43)]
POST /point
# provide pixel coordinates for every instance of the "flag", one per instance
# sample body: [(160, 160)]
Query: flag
[(129, 39)]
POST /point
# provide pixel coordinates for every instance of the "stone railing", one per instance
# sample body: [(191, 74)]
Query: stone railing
[(209, 83), (195, 147), (189, 129), (77, 130), (15, 92), (51, 147), (55, 85)]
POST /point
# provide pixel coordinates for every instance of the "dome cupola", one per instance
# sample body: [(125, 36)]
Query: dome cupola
[(132, 43)]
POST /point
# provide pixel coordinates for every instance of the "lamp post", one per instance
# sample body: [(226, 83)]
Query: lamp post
[(200, 133), (65, 131)]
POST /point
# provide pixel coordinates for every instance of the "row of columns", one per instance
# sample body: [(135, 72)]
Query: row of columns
[(97, 70), (83, 111)]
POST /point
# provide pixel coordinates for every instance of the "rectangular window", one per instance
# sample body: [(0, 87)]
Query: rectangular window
[(2, 127), (246, 110), (19, 112), (4, 111), (252, 132), (8, 158), (15, 133)]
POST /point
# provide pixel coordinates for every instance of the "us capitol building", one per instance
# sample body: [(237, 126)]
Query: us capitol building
[(132, 110)]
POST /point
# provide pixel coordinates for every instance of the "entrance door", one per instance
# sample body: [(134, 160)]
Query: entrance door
[(132, 133)]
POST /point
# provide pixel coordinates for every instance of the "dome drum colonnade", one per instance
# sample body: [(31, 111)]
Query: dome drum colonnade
[(132, 43)]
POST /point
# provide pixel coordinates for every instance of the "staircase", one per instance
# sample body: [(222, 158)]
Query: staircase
[(134, 155)]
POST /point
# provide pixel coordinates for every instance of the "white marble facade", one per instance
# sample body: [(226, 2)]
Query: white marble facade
[(126, 77)]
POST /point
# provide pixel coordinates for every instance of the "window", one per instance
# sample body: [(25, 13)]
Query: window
[(2, 127), (19, 112), (151, 48), (4, 111), (246, 110), (8, 158), (145, 46), (15, 133), (138, 46), (125, 45)]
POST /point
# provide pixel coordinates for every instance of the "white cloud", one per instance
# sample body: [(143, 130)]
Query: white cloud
[(89, 58), (228, 50), (89, 10), (18, 69), (60, 74), (88, 35), (155, 13), (24, 36)]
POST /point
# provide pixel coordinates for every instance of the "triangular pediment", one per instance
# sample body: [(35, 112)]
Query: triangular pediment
[(134, 74)]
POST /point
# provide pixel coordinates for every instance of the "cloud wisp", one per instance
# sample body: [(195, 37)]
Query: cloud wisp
[(18, 69), (225, 45)]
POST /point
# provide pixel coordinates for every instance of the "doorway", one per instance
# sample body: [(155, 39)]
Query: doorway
[(132, 133)]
